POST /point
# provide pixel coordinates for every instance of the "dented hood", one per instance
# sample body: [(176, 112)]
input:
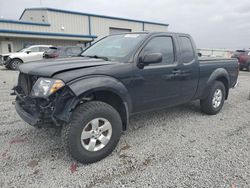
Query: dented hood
[(49, 68)]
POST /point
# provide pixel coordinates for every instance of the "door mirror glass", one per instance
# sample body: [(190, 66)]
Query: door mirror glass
[(28, 51)]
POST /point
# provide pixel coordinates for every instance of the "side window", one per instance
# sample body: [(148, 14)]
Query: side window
[(187, 52), (43, 49), (68, 51), (34, 49), (76, 50), (163, 45)]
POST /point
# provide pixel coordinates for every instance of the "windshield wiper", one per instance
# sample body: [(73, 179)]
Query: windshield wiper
[(97, 57)]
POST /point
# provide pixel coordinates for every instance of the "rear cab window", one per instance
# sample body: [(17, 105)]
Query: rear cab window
[(187, 50)]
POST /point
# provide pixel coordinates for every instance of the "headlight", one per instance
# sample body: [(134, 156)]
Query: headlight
[(46, 86)]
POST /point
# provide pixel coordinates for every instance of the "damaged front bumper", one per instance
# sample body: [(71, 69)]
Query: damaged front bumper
[(40, 112), (27, 117)]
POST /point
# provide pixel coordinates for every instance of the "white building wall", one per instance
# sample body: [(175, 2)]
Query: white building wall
[(35, 16), (154, 27), (100, 26), (72, 23), (24, 27)]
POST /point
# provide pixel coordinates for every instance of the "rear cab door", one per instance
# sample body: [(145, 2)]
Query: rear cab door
[(189, 67)]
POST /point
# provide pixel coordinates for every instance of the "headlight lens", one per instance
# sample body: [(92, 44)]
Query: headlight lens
[(46, 86)]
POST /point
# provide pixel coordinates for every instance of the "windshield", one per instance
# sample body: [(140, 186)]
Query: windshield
[(115, 47), (22, 50)]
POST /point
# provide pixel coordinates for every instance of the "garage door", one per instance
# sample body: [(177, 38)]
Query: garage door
[(113, 30)]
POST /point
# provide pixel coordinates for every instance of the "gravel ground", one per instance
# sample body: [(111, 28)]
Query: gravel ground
[(177, 147)]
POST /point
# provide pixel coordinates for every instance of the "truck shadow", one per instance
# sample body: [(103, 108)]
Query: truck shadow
[(167, 114)]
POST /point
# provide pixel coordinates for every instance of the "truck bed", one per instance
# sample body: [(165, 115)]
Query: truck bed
[(209, 65)]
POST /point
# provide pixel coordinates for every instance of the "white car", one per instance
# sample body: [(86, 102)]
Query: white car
[(32, 53)]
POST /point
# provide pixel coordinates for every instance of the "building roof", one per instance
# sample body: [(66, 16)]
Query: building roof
[(94, 15)]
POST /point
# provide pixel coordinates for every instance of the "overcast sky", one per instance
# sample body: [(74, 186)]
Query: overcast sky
[(212, 23)]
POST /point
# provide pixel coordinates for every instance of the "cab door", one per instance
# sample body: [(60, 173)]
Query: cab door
[(158, 85)]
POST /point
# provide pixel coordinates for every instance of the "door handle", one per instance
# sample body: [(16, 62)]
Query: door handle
[(177, 71)]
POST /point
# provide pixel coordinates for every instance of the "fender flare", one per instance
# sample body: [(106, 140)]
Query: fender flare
[(84, 86), (218, 74)]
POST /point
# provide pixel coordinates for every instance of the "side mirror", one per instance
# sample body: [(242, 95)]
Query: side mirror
[(27, 52), (199, 54), (150, 59)]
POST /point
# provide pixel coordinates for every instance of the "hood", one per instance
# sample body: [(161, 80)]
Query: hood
[(49, 68), (8, 54)]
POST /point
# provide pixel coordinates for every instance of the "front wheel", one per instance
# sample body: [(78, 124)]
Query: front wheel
[(14, 64), (93, 133), (214, 102)]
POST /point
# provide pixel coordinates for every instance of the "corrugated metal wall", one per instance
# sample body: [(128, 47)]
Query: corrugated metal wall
[(35, 16), (72, 23), (154, 27), (24, 27), (100, 26)]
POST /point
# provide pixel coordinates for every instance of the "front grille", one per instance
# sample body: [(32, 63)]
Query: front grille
[(5, 58), (26, 82), (23, 83)]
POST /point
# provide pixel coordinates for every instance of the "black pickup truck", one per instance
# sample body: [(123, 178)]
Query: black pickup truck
[(92, 97)]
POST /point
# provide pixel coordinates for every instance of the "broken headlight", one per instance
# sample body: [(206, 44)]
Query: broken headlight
[(46, 86)]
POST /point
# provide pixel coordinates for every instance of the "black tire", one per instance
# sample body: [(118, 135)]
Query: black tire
[(14, 64), (82, 115), (8, 67), (207, 103)]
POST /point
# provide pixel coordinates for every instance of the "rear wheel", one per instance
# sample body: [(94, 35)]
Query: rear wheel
[(14, 64), (214, 102), (93, 133)]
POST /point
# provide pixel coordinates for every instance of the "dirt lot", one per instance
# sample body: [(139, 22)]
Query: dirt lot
[(177, 147)]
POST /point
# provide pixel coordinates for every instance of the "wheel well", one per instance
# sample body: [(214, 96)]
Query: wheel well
[(115, 101), (17, 59), (225, 82)]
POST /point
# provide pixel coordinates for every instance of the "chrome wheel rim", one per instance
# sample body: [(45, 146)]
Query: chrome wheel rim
[(217, 98), (96, 134)]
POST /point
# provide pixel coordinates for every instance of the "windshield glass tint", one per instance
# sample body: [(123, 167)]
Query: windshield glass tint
[(115, 46)]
